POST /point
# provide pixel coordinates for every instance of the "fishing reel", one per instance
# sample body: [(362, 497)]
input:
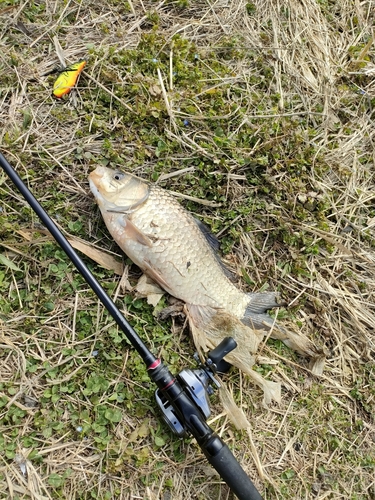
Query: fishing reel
[(198, 384)]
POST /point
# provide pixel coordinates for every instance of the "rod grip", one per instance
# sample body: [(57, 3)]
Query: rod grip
[(233, 474)]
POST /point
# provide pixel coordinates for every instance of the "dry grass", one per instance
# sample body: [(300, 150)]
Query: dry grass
[(298, 78)]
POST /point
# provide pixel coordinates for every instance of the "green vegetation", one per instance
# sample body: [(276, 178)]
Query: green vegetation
[(261, 115)]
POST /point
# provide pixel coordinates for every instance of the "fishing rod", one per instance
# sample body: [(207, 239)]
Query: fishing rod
[(182, 399)]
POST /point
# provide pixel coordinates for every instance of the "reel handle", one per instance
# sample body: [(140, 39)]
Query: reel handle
[(215, 357)]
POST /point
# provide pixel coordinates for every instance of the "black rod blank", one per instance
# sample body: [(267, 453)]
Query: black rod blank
[(134, 339)]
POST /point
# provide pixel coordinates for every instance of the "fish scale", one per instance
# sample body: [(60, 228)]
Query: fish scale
[(176, 251), (180, 253)]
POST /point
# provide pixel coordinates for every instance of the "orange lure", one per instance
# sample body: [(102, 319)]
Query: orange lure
[(67, 79)]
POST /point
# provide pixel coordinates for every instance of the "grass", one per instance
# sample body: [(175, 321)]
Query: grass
[(262, 111)]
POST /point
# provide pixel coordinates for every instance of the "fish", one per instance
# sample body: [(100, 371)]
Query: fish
[(179, 253), (67, 79)]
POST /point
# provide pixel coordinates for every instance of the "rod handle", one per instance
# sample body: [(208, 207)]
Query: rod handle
[(231, 471)]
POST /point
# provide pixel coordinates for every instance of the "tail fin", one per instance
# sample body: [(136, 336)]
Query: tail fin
[(259, 303), (255, 317), (262, 302)]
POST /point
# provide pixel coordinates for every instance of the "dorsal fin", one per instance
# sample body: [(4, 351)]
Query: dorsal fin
[(211, 238), (215, 245)]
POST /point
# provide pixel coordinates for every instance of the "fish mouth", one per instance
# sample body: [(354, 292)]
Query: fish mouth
[(95, 181), (95, 177)]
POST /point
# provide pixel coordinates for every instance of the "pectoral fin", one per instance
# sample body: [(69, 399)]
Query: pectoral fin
[(133, 233)]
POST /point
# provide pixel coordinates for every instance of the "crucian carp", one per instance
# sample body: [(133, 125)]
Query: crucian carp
[(178, 252)]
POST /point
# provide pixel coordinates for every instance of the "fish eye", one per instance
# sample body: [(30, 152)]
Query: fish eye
[(118, 176)]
